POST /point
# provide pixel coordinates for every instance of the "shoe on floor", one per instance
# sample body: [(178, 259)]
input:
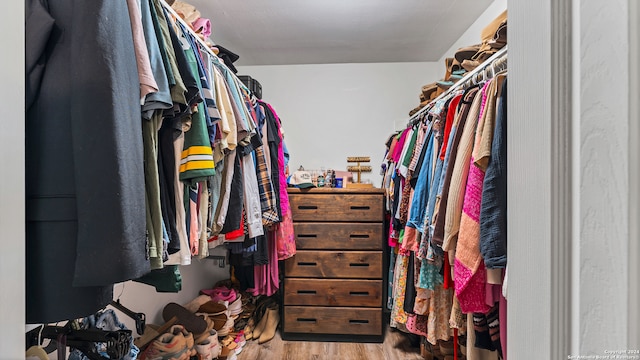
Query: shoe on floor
[(195, 304), (194, 324), (241, 341), (271, 326), (210, 327), (179, 330), (212, 307), (209, 348), (167, 347), (227, 354), (221, 294), (235, 307)]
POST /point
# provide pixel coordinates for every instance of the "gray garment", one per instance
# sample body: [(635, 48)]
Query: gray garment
[(155, 235), (225, 192), (85, 203), (251, 197), (215, 185), (160, 99)]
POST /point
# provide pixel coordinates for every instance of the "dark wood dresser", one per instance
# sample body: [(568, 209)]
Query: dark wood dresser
[(333, 287)]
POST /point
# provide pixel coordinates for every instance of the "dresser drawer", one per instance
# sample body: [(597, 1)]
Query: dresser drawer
[(336, 207), (335, 264), (329, 292), (338, 236), (328, 320)]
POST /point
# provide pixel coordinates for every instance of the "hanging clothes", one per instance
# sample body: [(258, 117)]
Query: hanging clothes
[(493, 212), (176, 158), (434, 172), (85, 207)]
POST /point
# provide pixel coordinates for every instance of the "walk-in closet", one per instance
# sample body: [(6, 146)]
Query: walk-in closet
[(357, 180)]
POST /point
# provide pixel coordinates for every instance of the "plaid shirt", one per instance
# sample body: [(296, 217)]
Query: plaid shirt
[(265, 187)]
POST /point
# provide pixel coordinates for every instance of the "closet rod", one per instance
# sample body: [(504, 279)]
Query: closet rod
[(498, 55), (201, 42)]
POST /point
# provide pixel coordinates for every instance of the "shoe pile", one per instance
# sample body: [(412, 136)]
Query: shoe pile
[(193, 336), (214, 325), (493, 38)]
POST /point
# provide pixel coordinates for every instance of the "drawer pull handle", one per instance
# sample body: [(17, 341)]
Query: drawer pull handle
[(307, 235), (358, 321), (307, 207), (359, 293), (359, 264), (360, 207), (307, 292), (359, 236), (307, 320), (307, 263)]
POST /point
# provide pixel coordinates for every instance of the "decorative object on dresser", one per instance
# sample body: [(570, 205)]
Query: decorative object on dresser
[(333, 287), (359, 169)]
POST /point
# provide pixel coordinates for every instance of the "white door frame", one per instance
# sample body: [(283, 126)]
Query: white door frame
[(12, 182), (539, 179), (553, 47), (634, 175)]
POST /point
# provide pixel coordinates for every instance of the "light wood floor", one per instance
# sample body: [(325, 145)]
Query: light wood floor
[(396, 346)]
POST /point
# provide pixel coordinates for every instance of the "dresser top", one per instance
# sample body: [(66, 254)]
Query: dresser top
[(291, 190)]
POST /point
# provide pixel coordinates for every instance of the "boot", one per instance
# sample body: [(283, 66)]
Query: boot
[(257, 331), (273, 318), (260, 313)]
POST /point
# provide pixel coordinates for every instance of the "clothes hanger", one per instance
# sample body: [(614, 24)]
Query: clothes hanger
[(501, 72), (116, 343), (138, 317)]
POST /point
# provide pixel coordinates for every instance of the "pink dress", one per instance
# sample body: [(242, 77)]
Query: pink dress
[(284, 235)]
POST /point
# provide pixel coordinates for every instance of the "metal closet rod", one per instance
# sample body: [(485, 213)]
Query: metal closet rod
[(201, 42), (498, 55)]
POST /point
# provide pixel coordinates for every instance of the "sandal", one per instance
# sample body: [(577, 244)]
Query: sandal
[(193, 323)]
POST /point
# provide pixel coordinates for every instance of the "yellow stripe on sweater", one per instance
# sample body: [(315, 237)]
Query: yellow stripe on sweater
[(197, 150), (197, 165)]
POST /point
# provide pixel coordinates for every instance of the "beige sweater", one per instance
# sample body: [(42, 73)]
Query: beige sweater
[(459, 177)]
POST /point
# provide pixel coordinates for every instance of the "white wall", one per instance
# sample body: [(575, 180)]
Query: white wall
[(12, 303), (332, 111), (472, 35)]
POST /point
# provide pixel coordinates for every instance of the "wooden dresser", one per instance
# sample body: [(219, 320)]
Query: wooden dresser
[(333, 287)]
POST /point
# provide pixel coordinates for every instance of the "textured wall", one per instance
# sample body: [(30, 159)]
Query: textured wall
[(603, 187)]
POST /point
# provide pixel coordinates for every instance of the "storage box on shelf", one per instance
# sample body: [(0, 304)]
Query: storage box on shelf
[(334, 285)]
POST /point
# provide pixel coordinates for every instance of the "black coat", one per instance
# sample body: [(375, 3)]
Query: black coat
[(84, 163)]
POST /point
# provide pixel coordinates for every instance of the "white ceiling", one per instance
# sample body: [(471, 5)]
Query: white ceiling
[(279, 32)]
